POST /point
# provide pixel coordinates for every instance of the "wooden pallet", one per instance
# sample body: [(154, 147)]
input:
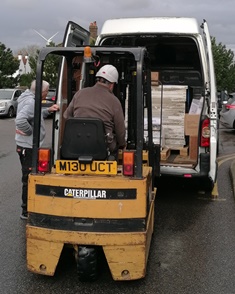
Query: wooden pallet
[(167, 152)]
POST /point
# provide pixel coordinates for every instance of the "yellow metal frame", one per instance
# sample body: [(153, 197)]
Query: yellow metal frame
[(126, 253)]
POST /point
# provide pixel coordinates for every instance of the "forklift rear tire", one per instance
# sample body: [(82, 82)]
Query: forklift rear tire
[(87, 264)]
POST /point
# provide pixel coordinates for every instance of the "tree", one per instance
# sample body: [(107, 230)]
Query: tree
[(224, 66), (30, 50), (25, 80), (51, 67), (8, 66)]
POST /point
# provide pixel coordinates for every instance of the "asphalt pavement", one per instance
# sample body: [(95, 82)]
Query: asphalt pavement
[(192, 249)]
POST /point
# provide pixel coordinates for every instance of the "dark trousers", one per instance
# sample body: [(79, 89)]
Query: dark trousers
[(25, 155)]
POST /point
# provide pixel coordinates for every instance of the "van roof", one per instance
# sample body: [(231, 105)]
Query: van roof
[(175, 25)]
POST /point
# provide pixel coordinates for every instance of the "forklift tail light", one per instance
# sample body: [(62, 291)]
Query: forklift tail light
[(44, 160), (128, 163)]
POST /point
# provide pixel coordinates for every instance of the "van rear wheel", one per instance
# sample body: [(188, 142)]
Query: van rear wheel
[(205, 184)]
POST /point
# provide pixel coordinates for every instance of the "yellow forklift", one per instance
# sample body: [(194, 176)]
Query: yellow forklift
[(78, 196)]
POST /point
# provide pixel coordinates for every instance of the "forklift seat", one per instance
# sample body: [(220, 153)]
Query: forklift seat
[(84, 140)]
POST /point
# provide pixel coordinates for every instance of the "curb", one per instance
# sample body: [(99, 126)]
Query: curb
[(232, 175)]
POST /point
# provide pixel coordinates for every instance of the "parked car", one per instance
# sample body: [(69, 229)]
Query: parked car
[(222, 99), (232, 95), (8, 101), (227, 114), (50, 99)]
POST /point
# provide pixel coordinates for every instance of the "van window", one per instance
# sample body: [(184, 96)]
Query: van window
[(165, 52)]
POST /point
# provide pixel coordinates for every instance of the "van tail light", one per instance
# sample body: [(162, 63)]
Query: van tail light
[(44, 160), (128, 163), (205, 133)]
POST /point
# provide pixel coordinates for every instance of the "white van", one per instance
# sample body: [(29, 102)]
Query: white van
[(183, 89), (184, 78)]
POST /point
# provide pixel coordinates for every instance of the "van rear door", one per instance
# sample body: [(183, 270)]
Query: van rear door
[(212, 103), (75, 35)]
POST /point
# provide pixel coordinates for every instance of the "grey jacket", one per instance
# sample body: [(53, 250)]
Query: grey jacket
[(24, 120)]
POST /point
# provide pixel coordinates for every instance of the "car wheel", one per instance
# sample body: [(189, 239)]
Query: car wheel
[(10, 112)]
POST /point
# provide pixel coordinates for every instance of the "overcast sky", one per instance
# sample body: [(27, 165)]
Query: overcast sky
[(19, 18)]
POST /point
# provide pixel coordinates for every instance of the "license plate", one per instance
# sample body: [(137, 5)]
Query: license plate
[(93, 168), (44, 101)]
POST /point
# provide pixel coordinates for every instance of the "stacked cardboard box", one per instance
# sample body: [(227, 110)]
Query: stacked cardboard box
[(191, 129), (170, 101), (157, 131)]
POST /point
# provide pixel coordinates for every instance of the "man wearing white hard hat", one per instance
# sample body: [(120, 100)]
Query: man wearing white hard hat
[(100, 102)]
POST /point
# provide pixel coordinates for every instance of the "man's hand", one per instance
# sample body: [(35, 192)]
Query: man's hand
[(20, 133), (53, 108)]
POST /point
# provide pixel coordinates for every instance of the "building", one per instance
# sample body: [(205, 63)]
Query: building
[(93, 29), (24, 67)]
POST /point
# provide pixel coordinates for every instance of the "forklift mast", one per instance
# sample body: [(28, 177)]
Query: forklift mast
[(78, 69)]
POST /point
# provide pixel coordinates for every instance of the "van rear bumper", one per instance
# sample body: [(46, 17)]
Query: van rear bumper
[(202, 170)]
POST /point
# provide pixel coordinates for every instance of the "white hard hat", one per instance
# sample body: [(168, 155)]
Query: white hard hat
[(108, 72)]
